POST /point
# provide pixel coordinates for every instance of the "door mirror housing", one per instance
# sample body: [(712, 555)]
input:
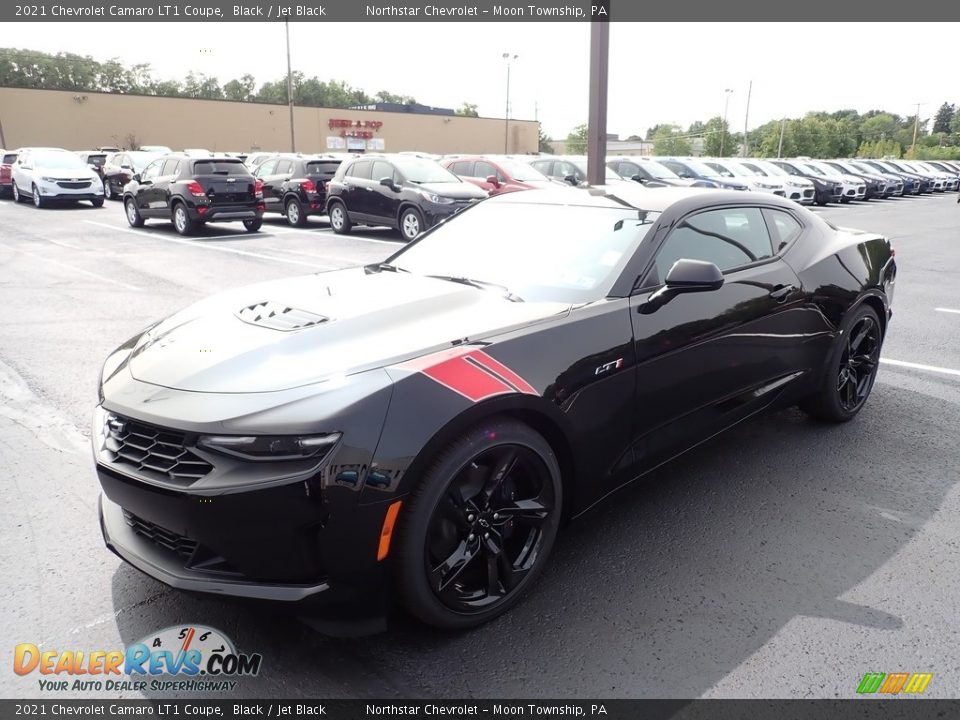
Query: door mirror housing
[(136, 178), (685, 276), (492, 179), (388, 182), (571, 179), (638, 178)]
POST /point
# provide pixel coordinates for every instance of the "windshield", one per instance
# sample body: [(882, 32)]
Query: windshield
[(140, 159), (522, 172), (755, 169), (58, 160), (658, 170), (770, 168), (558, 253), (701, 168), (718, 168), (609, 174), (418, 170), (814, 169)]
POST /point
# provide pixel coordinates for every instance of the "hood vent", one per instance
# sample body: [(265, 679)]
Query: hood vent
[(277, 316)]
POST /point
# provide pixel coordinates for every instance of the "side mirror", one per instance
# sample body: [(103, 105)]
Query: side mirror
[(638, 178), (685, 276), (492, 179), (136, 178), (388, 182), (571, 179)]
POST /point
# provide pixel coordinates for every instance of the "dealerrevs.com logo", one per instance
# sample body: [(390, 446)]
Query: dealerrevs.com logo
[(192, 658)]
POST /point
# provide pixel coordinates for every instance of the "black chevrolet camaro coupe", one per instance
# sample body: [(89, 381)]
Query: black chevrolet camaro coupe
[(415, 432)]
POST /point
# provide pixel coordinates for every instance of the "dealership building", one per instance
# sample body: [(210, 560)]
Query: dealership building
[(81, 120)]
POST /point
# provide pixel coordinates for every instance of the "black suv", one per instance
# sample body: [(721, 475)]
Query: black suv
[(404, 192), (296, 186), (192, 191)]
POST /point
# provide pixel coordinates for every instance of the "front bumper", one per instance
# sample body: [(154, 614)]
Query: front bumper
[(434, 213)]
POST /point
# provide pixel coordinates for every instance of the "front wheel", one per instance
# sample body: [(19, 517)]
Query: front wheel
[(253, 225), (17, 197), (97, 202), (133, 214), (107, 189), (182, 221), (411, 223), (851, 371), (38, 201), (339, 220), (477, 530)]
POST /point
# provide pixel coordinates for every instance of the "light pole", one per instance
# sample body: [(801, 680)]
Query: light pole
[(916, 126), (783, 126), (506, 114), (723, 128), (293, 137), (746, 120)]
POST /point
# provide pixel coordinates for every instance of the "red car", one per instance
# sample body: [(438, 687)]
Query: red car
[(6, 172), (496, 174)]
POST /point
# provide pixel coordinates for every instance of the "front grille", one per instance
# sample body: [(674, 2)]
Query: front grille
[(70, 185), (152, 452), (161, 537), (808, 193)]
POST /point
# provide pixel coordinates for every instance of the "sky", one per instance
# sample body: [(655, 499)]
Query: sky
[(659, 72)]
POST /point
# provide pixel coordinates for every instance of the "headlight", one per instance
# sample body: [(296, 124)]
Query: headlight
[(794, 183), (437, 199), (270, 448), (765, 186), (48, 179)]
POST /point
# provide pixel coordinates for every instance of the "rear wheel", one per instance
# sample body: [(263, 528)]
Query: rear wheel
[(182, 221), (253, 225), (852, 370), (411, 223), (477, 530), (133, 214), (17, 197), (38, 201), (339, 220), (295, 214)]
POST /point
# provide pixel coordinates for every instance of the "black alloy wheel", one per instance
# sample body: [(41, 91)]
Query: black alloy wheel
[(852, 369), (478, 529), (858, 364)]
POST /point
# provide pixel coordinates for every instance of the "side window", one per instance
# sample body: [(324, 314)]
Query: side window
[(463, 168), (564, 169), (360, 170), (170, 167), (266, 168), (381, 170), (789, 168), (485, 170), (728, 238), (786, 227), (284, 167), (152, 170), (676, 167)]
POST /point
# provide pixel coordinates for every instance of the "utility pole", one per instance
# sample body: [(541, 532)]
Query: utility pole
[(783, 126), (3, 140), (723, 128), (597, 116), (506, 113), (916, 126), (746, 120), (293, 136)]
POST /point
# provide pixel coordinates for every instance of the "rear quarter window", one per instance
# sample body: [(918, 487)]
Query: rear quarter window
[(9, 158)]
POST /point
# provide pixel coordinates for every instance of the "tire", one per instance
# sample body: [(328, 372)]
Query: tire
[(501, 465), (339, 218), (411, 224), (253, 226), (132, 212), (295, 214), (182, 222), (38, 201), (15, 191), (97, 202), (107, 190), (852, 369)]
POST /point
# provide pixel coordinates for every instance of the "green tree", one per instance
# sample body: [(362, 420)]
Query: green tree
[(241, 88), (944, 118), (717, 139), (467, 110), (577, 140), (543, 141), (667, 140)]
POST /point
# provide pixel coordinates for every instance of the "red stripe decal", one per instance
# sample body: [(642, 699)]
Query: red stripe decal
[(503, 371), (466, 379)]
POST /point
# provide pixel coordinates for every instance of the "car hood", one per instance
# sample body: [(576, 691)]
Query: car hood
[(246, 340), (460, 190)]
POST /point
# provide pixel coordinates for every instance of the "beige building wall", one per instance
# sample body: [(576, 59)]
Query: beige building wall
[(84, 120)]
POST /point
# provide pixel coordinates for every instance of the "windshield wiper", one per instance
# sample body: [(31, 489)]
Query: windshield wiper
[(479, 284)]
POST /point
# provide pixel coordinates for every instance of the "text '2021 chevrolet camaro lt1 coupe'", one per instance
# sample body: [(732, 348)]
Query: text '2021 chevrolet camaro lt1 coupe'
[(414, 433)]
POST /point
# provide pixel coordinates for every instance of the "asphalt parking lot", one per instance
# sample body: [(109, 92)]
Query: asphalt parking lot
[(783, 559)]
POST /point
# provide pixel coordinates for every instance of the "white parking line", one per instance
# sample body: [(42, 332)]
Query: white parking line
[(72, 268), (918, 366), (199, 246), (947, 310)]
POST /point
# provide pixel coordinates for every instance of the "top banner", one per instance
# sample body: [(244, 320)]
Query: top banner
[(476, 10)]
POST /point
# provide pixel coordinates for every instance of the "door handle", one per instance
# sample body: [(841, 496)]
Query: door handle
[(781, 292)]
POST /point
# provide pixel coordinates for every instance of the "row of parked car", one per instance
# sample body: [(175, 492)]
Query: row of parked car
[(411, 191)]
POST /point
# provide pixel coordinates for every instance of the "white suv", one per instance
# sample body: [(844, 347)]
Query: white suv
[(48, 175)]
